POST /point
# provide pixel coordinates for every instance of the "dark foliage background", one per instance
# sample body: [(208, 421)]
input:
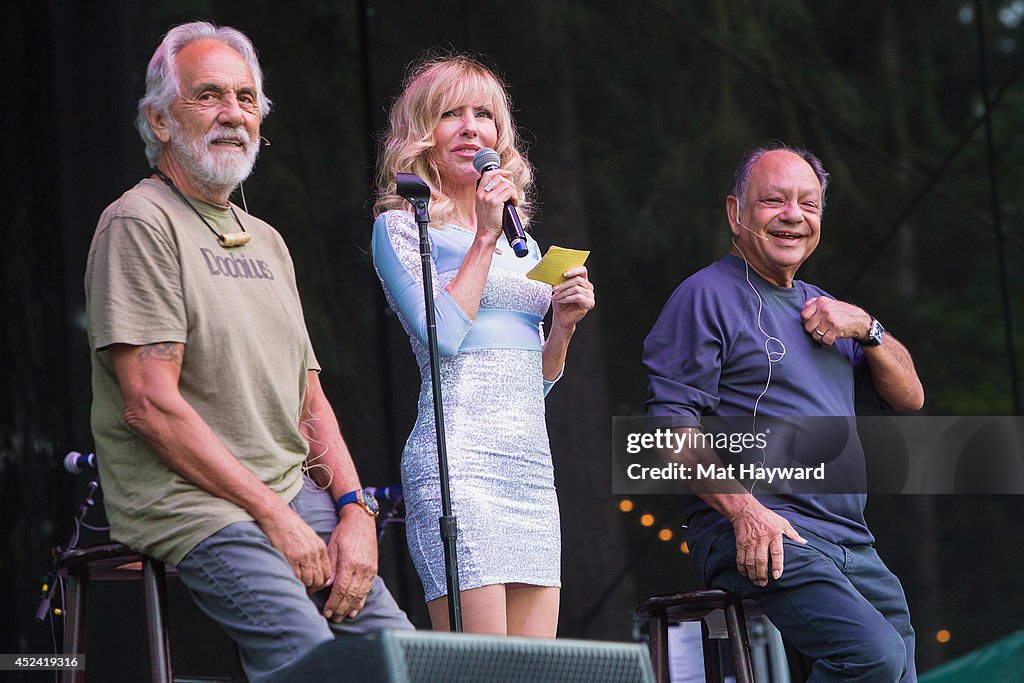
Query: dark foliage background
[(636, 113)]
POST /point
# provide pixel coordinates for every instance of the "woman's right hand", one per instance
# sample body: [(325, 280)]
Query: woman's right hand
[(494, 189)]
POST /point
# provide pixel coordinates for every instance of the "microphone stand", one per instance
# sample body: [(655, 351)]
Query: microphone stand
[(412, 188), (51, 578)]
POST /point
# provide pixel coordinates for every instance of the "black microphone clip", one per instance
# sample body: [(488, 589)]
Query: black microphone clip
[(411, 187)]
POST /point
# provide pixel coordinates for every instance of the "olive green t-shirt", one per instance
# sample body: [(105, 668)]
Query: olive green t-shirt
[(156, 273)]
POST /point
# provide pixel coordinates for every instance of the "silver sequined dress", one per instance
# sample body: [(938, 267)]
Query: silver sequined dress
[(502, 482)]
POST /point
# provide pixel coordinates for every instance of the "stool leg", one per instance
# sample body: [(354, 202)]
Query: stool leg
[(712, 655), (74, 624), (798, 671), (737, 627), (658, 643), (156, 621)]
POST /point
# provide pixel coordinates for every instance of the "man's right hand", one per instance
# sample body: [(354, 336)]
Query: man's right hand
[(759, 533), (305, 551)]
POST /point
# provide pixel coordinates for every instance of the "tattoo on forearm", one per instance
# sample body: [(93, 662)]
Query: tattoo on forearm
[(169, 351)]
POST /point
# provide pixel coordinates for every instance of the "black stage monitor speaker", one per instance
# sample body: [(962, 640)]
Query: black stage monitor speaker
[(427, 657)]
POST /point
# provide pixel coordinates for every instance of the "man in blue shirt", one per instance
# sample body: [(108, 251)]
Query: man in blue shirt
[(742, 337)]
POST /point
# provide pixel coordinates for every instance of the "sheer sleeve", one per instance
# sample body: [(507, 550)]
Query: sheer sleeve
[(396, 257)]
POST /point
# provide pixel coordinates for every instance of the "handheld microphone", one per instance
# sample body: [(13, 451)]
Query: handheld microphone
[(76, 463), (487, 159)]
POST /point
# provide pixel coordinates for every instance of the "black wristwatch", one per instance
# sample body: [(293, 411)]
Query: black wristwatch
[(363, 497), (875, 334)]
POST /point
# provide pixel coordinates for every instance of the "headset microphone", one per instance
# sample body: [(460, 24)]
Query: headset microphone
[(772, 355), (756, 234)]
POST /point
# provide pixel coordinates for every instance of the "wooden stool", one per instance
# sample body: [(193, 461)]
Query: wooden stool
[(114, 562), (702, 603)]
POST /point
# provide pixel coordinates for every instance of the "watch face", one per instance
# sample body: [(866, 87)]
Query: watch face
[(875, 334), (370, 502), (876, 331)]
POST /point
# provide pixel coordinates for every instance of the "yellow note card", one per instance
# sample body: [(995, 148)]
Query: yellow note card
[(555, 262)]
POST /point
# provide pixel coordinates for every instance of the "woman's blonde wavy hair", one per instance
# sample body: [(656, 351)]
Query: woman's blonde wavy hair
[(434, 85)]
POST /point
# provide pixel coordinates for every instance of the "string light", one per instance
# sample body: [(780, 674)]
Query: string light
[(943, 636), (647, 520)]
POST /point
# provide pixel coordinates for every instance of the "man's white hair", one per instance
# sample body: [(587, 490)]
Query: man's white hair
[(162, 83)]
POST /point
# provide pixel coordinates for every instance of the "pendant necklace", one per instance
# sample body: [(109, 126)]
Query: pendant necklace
[(226, 240)]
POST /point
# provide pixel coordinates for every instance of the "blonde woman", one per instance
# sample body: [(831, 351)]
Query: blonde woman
[(496, 364)]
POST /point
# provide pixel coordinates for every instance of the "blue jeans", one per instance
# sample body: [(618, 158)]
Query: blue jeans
[(840, 606), (243, 583)]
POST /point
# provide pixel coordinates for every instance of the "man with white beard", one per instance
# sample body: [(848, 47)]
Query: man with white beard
[(218, 450)]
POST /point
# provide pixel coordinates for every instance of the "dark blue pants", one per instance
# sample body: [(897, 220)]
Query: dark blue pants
[(840, 606)]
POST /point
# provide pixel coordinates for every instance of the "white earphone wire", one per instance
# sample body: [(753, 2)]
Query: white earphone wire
[(772, 356)]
